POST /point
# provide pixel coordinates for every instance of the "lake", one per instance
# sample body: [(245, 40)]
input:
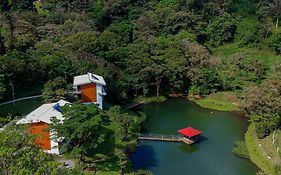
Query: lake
[(211, 156)]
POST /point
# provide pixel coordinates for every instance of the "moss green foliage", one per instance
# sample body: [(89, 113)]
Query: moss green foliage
[(241, 149), (222, 101)]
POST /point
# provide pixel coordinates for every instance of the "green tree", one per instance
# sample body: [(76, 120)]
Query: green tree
[(20, 68), (221, 30), (81, 42), (83, 129), (208, 81), (124, 30), (265, 123), (263, 104), (125, 126), (100, 15), (18, 156), (55, 90)]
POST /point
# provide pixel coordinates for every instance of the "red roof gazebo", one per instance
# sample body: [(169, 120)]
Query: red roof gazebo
[(189, 132)]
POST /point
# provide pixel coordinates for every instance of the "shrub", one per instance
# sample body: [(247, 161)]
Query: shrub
[(265, 124), (240, 149), (275, 42)]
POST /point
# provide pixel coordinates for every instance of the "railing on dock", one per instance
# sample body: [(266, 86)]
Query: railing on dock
[(165, 138), (160, 137)]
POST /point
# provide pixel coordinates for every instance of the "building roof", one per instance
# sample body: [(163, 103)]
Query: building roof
[(44, 113), (87, 79), (189, 132)]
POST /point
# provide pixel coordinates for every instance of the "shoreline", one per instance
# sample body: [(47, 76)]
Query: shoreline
[(251, 140), (144, 100), (211, 104), (217, 101)]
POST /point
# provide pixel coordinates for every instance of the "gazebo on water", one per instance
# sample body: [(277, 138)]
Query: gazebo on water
[(189, 135)]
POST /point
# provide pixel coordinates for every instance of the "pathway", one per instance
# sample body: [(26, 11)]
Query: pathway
[(20, 99)]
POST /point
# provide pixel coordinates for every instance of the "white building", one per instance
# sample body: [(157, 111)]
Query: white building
[(39, 121), (90, 88)]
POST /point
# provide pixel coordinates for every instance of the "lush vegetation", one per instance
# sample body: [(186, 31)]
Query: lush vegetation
[(256, 152), (149, 47), (19, 156), (100, 140)]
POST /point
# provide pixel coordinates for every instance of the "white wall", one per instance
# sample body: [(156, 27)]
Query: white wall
[(54, 145), (99, 96)]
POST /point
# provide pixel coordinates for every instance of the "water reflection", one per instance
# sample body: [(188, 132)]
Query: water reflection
[(145, 156)]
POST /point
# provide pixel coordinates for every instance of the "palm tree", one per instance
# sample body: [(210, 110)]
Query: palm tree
[(275, 6)]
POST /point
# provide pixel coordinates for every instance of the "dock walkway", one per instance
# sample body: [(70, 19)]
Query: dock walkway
[(163, 137)]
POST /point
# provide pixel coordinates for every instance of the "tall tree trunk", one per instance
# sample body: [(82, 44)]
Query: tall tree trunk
[(277, 21), (158, 83), (157, 89), (144, 89)]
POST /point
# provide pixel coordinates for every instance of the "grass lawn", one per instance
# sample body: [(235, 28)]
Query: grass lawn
[(222, 101), (268, 57), (21, 107), (260, 149)]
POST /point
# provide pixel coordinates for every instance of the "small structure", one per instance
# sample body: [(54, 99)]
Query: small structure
[(190, 135), (39, 121), (90, 88), (187, 135)]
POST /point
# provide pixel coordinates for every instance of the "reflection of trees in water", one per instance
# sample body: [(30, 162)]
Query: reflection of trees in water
[(144, 157)]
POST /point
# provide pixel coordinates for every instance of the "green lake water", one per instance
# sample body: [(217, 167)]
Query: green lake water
[(211, 156)]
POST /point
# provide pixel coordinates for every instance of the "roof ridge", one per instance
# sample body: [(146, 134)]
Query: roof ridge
[(45, 111)]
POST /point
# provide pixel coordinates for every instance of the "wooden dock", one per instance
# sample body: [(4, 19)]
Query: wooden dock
[(164, 138)]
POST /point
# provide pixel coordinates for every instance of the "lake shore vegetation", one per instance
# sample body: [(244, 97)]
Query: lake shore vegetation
[(227, 52)]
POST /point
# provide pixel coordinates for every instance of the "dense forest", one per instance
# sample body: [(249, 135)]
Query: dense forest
[(148, 48)]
